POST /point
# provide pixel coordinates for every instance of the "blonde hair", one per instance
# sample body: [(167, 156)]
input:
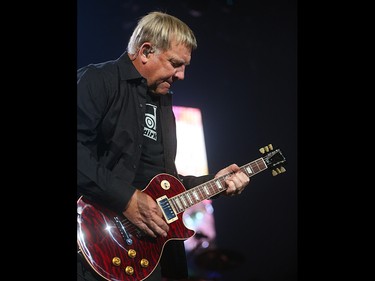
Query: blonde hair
[(160, 29)]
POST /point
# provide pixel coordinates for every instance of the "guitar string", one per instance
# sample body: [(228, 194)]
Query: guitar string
[(212, 189)]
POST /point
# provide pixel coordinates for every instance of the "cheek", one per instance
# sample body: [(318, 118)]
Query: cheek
[(160, 72), (166, 70), (164, 74)]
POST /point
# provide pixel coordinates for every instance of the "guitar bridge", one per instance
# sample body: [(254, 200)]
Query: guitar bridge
[(168, 211), (125, 235)]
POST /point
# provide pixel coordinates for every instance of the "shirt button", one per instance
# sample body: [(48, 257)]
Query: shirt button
[(134, 166), (140, 146), (140, 105)]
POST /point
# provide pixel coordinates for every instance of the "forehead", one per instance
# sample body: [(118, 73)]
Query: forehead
[(178, 52)]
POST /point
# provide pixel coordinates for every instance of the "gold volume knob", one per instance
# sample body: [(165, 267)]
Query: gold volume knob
[(132, 253), (129, 270), (116, 261), (144, 263)]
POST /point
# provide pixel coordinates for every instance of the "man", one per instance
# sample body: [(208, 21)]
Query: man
[(127, 134)]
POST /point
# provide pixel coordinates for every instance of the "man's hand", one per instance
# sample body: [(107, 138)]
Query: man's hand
[(236, 182), (144, 212)]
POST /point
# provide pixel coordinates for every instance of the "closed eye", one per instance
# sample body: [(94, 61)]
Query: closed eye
[(176, 64)]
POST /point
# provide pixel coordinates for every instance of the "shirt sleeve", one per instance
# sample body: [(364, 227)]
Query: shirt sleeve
[(94, 179)]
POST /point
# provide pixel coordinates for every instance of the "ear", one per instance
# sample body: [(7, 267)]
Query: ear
[(146, 52), (146, 49)]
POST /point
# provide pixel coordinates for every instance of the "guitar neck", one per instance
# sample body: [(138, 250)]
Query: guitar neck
[(215, 186)]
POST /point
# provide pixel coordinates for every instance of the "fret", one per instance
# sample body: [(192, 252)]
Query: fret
[(189, 197), (257, 163), (183, 201), (218, 183), (214, 188), (179, 204), (255, 168), (208, 186), (172, 203), (201, 194), (263, 164), (206, 190), (196, 195), (249, 170)]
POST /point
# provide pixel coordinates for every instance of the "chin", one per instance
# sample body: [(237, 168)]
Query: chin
[(162, 92)]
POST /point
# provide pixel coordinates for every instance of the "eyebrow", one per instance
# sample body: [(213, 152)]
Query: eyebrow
[(178, 61)]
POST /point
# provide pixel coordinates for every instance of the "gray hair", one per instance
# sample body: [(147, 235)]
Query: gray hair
[(160, 29)]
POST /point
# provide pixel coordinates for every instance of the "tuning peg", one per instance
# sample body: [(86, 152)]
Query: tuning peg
[(277, 171), (266, 148)]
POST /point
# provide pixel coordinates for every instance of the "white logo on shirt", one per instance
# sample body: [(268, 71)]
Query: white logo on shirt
[(150, 121)]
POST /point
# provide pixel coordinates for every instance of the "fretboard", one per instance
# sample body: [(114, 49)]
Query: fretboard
[(215, 186)]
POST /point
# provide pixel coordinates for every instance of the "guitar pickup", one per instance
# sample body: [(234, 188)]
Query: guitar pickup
[(168, 211)]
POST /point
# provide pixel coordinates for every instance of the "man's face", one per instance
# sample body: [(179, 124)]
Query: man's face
[(164, 68)]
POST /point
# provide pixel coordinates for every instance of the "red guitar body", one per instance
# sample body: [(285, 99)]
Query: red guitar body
[(103, 243)]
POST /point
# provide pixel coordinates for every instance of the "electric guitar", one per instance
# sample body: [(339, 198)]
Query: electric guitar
[(118, 251)]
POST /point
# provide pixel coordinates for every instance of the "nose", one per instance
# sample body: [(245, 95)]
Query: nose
[(180, 72)]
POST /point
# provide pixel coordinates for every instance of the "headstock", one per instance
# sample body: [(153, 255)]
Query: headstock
[(273, 158)]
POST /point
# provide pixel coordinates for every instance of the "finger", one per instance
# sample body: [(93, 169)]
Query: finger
[(154, 230), (244, 178), (147, 230), (160, 226), (234, 168), (158, 230), (236, 180), (150, 227), (241, 180), (231, 189)]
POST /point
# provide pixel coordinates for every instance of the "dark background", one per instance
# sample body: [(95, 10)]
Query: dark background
[(243, 77)]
